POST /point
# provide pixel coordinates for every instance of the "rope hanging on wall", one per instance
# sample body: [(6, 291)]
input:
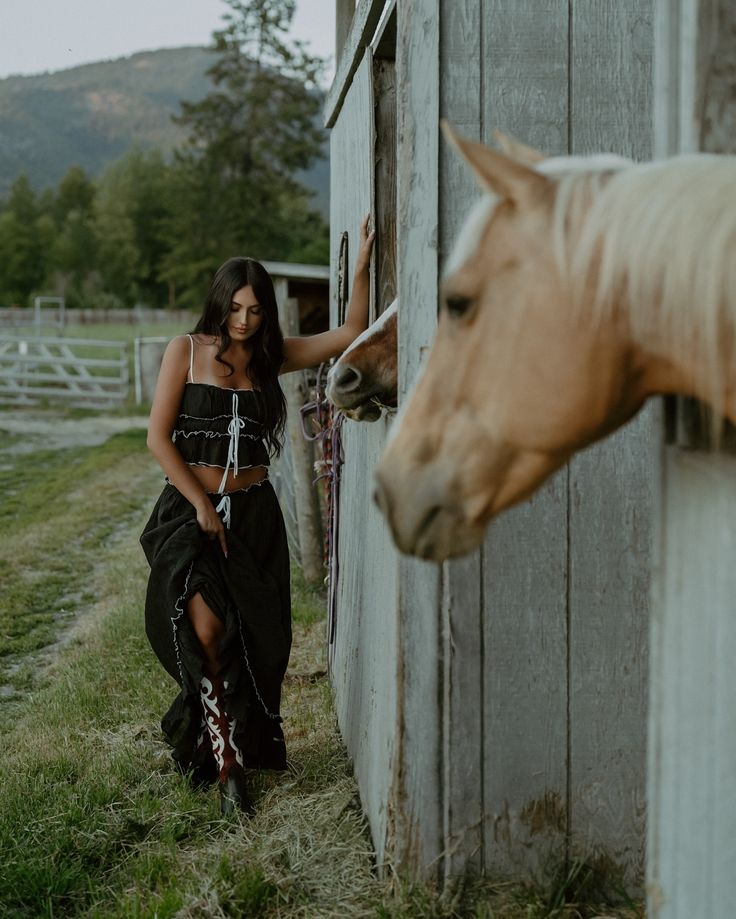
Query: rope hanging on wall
[(328, 432)]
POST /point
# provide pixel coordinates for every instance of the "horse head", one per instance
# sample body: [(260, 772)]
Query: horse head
[(519, 376), (365, 378)]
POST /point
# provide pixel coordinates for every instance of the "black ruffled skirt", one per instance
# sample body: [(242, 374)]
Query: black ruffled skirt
[(249, 591)]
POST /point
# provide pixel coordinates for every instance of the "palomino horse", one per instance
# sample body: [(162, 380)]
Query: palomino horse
[(576, 290), (365, 378)]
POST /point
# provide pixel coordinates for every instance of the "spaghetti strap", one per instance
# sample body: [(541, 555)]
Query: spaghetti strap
[(191, 357)]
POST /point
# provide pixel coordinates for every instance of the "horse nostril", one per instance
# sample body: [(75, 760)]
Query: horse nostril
[(347, 379)]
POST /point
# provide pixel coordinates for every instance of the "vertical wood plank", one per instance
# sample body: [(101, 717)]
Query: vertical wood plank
[(417, 800), (692, 783), (611, 497), (344, 11), (525, 71), (611, 78), (524, 87), (364, 654), (525, 690), (460, 67), (716, 108), (306, 499), (611, 520)]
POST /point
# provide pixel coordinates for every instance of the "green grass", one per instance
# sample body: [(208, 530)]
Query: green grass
[(46, 569), (95, 821), (123, 331)]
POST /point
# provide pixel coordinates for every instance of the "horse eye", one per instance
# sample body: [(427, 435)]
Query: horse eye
[(457, 304)]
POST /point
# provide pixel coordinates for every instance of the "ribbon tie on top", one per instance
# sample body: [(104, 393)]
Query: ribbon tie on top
[(224, 506), (234, 427)]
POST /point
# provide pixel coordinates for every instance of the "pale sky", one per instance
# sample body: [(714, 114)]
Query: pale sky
[(40, 35)]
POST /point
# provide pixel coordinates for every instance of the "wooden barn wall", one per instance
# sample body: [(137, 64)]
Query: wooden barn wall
[(363, 658), (611, 501), (692, 733), (512, 715), (417, 789), (547, 625), (505, 608)]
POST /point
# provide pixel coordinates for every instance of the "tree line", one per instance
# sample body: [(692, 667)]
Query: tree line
[(153, 229)]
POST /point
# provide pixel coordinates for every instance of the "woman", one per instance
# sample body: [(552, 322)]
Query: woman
[(218, 605)]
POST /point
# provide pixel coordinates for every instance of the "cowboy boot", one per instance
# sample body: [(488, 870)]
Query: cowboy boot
[(233, 782)]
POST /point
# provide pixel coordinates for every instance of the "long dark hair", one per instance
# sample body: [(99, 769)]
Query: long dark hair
[(267, 343)]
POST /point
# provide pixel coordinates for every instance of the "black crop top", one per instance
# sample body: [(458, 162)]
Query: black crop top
[(220, 427), (214, 423)]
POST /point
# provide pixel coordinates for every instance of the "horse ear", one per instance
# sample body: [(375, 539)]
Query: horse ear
[(497, 172), (516, 150)]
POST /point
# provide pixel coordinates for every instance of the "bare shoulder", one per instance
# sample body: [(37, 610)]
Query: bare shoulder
[(176, 356), (178, 345), (202, 338)]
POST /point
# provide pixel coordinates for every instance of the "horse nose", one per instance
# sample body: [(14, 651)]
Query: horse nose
[(411, 523), (346, 378)]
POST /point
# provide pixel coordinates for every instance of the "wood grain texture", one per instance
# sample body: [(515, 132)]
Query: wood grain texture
[(716, 106), (363, 657), (611, 78), (692, 759), (611, 496), (611, 519), (525, 687), (306, 499), (344, 11), (418, 766), (363, 25), (462, 589), (524, 92), (525, 79)]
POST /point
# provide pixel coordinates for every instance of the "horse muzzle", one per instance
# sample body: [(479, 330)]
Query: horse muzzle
[(423, 518), (350, 390)]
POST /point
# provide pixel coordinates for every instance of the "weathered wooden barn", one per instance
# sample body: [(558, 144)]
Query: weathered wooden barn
[(496, 707)]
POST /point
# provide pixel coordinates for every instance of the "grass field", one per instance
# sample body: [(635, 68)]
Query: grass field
[(122, 331), (94, 820)]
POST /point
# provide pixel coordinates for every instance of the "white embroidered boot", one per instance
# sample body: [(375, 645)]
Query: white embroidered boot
[(233, 782)]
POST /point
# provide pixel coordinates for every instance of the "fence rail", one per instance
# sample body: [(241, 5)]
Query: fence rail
[(79, 371)]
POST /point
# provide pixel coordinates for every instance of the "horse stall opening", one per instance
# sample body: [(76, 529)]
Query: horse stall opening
[(494, 708)]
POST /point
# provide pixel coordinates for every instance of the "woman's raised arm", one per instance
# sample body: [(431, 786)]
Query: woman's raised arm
[(310, 350)]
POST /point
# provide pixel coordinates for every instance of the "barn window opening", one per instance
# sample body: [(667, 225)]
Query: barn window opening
[(384, 96)]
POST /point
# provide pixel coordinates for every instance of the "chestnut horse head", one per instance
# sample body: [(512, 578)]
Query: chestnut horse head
[(576, 289), (365, 378)]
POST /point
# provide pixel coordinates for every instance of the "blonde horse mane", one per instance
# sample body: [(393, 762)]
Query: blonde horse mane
[(659, 239)]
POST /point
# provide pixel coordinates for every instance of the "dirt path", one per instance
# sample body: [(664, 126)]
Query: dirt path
[(36, 429), (50, 574)]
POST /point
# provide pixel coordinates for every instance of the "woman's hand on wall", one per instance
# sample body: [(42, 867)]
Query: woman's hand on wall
[(365, 246)]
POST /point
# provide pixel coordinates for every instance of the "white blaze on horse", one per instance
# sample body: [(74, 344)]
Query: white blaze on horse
[(577, 289), (365, 378)]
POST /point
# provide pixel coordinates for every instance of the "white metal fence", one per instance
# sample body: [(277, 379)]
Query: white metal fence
[(79, 371)]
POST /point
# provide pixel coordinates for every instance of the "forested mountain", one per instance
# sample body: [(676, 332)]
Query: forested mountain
[(90, 115)]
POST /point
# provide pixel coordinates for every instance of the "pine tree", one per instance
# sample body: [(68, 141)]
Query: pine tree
[(130, 213), (73, 256), (247, 139), (26, 234)]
